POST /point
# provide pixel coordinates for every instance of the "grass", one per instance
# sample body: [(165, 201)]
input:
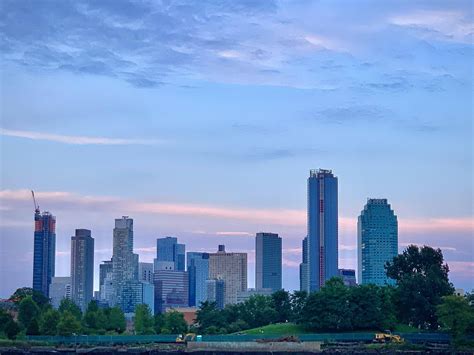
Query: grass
[(404, 328), (277, 329)]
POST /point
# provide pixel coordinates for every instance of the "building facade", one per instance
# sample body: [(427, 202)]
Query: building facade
[(268, 261), (82, 267), (377, 238), (232, 268), (60, 288), (168, 249), (348, 276), (44, 251), (322, 228), (171, 289), (304, 282), (245, 295), (124, 263), (145, 272), (198, 272), (216, 292)]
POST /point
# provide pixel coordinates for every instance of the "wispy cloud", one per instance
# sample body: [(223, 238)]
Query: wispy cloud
[(76, 140)]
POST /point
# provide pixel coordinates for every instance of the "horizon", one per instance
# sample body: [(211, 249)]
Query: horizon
[(202, 121)]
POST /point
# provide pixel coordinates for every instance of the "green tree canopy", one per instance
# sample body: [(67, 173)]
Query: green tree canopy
[(68, 324), (40, 299), (282, 305), (49, 322), (11, 329), (422, 280), (174, 323), (94, 320), (68, 305), (298, 301), (115, 320), (144, 322), (456, 315), (28, 311)]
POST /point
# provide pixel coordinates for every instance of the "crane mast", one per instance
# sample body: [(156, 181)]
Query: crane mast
[(37, 209)]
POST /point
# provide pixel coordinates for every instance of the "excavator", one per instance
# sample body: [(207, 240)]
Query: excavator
[(185, 338), (387, 337)]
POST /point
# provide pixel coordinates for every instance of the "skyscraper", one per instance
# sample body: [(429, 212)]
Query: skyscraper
[(304, 281), (168, 249), (215, 292), (44, 251), (124, 262), (232, 268), (106, 285), (82, 267), (198, 271), (322, 228), (268, 261), (60, 288), (145, 272), (377, 239), (171, 288)]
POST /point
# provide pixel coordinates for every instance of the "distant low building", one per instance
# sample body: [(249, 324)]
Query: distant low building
[(60, 288), (348, 277), (245, 295)]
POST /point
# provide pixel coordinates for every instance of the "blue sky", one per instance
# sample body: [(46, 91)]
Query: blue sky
[(201, 119)]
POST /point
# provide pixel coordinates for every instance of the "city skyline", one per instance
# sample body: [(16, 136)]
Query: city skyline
[(201, 121)]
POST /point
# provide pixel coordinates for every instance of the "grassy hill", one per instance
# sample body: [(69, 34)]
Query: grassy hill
[(277, 329)]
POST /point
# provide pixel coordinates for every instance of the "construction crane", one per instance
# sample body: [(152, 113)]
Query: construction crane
[(37, 208)]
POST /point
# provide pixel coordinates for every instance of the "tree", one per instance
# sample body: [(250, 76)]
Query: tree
[(366, 307), (28, 311), (159, 322), (33, 327), (422, 280), (298, 301), (282, 305), (11, 329), (208, 315), (328, 309), (144, 322), (68, 324), (94, 320), (68, 305), (258, 311), (21, 293), (49, 322), (455, 315), (175, 323), (115, 320)]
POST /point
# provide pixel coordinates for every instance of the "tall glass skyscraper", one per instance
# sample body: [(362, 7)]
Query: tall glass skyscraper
[(304, 283), (44, 251), (268, 261), (377, 239), (168, 249), (82, 267), (198, 272), (322, 228), (124, 263)]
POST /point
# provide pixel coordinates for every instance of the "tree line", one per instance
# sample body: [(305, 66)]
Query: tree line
[(422, 297)]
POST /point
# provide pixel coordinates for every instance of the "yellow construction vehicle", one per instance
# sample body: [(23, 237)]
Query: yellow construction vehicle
[(387, 337), (184, 338)]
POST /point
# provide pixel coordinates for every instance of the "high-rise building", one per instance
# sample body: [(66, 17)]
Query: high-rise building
[(124, 263), (171, 289), (198, 271), (216, 292), (348, 277), (145, 272), (232, 268), (106, 289), (168, 249), (44, 251), (322, 228), (82, 267), (304, 281), (60, 288), (105, 268), (243, 296), (268, 261), (377, 238)]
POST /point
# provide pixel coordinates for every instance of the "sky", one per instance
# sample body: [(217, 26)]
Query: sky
[(202, 119)]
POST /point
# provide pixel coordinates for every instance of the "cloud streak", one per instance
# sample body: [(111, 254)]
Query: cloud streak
[(75, 140)]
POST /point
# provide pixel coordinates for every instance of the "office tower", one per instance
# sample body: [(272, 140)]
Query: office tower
[(105, 268), (82, 267), (268, 261), (44, 251), (232, 268), (124, 263), (322, 228), (145, 272), (215, 292), (198, 272), (304, 281), (171, 289), (348, 277), (168, 249), (377, 238), (106, 288), (60, 288)]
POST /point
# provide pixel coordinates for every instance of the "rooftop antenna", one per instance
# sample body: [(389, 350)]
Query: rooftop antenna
[(37, 209)]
